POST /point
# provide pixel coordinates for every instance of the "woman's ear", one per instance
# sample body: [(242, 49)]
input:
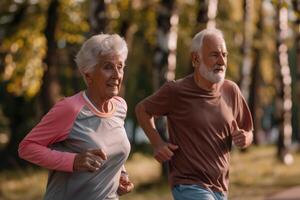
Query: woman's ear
[(88, 78)]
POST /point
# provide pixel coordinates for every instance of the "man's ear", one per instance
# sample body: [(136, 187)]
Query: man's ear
[(195, 58)]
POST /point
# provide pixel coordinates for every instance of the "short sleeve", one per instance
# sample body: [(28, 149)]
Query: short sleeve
[(160, 102), (242, 112)]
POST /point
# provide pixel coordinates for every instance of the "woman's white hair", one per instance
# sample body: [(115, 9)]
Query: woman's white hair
[(98, 45), (197, 41)]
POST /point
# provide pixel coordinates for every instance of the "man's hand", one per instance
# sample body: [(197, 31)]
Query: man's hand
[(164, 151), (90, 160), (240, 137), (125, 185)]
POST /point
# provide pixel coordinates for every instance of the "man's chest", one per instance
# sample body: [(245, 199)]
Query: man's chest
[(207, 114)]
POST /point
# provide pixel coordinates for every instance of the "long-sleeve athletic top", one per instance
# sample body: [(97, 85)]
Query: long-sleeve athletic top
[(72, 126)]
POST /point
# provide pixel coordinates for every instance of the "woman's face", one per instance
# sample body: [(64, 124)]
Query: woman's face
[(106, 79)]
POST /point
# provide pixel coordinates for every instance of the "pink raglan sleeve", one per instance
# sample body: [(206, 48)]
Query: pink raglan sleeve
[(54, 127)]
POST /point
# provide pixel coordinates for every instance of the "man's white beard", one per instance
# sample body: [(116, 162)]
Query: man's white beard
[(210, 75)]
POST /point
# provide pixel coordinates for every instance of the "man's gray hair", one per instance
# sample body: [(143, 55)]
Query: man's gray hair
[(98, 45), (197, 41)]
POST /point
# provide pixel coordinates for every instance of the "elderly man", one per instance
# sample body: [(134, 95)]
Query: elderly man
[(205, 113)]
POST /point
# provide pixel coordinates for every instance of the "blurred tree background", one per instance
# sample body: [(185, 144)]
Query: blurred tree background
[(39, 40)]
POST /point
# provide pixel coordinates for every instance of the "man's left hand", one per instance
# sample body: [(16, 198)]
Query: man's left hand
[(240, 137)]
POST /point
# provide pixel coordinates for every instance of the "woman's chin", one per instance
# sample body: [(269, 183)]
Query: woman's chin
[(111, 94)]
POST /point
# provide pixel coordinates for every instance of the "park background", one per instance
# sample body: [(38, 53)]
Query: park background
[(40, 38)]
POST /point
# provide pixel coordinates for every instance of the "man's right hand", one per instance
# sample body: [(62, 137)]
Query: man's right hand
[(164, 151), (90, 160)]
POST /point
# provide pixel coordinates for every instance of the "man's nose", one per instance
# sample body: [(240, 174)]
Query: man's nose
[(222, 60)]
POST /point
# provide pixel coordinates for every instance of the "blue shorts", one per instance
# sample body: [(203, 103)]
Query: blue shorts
[(195, 192)]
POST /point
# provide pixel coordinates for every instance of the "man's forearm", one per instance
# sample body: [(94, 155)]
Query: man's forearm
[(146, 121)]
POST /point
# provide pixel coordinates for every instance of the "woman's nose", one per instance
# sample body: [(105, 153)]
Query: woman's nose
[(117, 73)]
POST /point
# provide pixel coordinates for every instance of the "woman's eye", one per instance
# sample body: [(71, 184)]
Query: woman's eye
[(120, 67), (108, 67)]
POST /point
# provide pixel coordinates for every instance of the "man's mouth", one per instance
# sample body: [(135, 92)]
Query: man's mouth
[(219, 70)]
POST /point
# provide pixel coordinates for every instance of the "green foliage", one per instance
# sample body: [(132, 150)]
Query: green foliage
[(23, 49), (73, 22)]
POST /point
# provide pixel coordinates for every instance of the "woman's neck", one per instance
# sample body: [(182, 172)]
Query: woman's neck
[(102, 105)]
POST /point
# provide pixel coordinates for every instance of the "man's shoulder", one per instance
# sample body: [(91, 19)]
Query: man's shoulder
[(187, 80), (230, 89), (229, 84)]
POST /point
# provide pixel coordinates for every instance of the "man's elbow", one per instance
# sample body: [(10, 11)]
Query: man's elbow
[(139, 108)]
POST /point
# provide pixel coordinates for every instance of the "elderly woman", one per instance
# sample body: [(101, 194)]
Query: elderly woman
[(82, 139)]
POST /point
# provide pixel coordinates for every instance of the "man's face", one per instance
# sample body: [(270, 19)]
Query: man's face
[(213, 59)]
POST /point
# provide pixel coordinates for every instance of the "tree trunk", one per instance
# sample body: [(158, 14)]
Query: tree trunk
[(250, 73), (50, 90), (296, 4), (165, 55), (98, 18), (247, 48), (166, 43), (76, 76), (207, 12), (202, 16), (212, 13), (16, 110), (285, 91)]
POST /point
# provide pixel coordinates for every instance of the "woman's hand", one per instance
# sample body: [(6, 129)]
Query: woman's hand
[(125, 185), (90, 160)]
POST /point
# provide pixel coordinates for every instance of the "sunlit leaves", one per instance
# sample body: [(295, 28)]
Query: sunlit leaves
[(24, 49), (72, 22)]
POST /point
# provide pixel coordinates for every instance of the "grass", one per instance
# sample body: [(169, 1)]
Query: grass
[(253, 176), (258, 174)]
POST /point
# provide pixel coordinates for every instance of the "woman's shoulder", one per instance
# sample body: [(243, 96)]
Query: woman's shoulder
[(72, 103), (120, 102)]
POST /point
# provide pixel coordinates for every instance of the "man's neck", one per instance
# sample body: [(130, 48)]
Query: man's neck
[(204, 84)]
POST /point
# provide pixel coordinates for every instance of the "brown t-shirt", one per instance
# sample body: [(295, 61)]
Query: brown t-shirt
[(200, 123)]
